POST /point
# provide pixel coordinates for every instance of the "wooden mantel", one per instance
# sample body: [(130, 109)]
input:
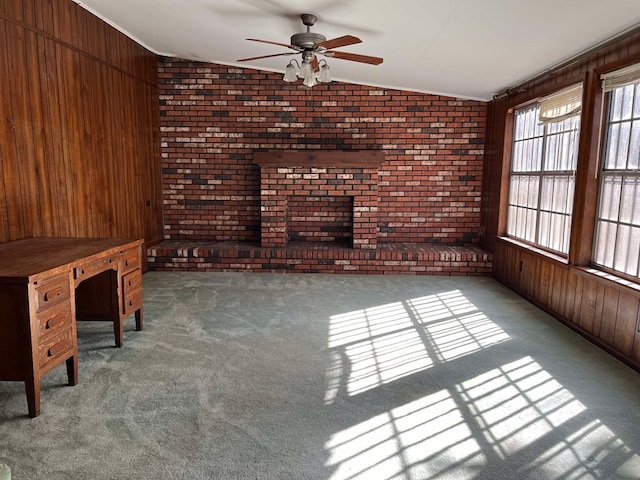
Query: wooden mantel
[(320, 159)]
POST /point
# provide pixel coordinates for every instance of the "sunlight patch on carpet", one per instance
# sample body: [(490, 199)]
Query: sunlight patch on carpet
[(381, 344)]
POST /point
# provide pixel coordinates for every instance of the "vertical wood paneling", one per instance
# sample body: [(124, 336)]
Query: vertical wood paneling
[(8, 215), (59, 158), (636, 340), (569, 289), (29, 12), (588, 310), (48, 16), (557, 287), (46, 200), (13, 10), (49, 102), (599, 308), (63, 24), (108, 77), (626, 324), (577, 302), (74, 163), (79, 145), (27, 195), (602, 310), (531, 267), (609, 315), (542, 295)]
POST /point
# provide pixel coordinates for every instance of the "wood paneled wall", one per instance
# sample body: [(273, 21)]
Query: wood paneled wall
[(603, 310), (79, 138)]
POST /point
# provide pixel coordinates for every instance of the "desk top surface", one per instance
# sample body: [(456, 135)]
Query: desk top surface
[(22, 259)]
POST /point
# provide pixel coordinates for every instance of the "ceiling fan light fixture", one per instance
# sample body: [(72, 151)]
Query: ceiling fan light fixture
[(325, 72), (291, 72), (309, 79), (310, 45)]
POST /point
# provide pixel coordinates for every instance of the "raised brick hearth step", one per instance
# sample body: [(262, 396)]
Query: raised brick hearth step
[(308, 257)]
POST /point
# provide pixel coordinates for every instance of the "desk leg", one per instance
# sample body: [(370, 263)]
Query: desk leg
[(118, 330), (139, 320), (72, 370), (33, 396)]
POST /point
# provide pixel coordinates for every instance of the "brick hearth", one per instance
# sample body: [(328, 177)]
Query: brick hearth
[(306, 257)]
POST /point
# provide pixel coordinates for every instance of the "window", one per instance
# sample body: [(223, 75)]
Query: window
[(617, 237), (543, 164)]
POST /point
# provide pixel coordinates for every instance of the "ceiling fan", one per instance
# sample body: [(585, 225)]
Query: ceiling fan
[(311, 44)]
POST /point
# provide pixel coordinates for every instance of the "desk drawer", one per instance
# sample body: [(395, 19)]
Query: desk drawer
[(55, 319), (56, 347), (51, 291), (130, 260), (96, 266), (132, 292)]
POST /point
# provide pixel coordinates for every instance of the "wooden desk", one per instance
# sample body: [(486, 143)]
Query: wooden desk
[(46, 284)]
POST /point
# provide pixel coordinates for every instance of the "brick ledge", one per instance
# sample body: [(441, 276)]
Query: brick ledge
[(305, 257)]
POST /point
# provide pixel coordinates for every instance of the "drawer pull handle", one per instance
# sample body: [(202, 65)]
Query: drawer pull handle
[(48, 296), (51, 352), (53, 322)]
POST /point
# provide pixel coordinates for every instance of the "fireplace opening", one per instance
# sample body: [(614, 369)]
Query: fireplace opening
[(319, 197), (327, 219)]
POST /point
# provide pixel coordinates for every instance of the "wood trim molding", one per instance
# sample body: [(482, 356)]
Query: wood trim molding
[(587, 183), (525, 247)]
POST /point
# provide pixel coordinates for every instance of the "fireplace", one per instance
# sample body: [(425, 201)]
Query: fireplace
[(319, 196)]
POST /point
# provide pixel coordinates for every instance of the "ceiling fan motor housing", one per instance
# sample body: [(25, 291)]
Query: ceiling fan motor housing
[(307, 40)]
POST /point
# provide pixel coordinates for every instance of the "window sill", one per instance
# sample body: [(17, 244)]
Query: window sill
[(590, 272), (532, 249), (609, 279)]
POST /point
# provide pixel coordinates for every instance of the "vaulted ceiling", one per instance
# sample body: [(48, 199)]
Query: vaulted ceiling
[(461, 48)]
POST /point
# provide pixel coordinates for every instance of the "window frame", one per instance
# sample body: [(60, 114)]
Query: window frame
[(622, 173), (541, 174)]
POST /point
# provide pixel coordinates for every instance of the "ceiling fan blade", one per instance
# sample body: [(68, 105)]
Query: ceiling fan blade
[(355, 57), (314, 64), (266, 56), (274, 43), (339, 42)]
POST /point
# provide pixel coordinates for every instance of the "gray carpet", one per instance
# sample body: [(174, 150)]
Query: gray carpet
[(296, 376)]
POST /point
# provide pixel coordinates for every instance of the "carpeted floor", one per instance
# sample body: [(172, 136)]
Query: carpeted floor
[(301, 376)]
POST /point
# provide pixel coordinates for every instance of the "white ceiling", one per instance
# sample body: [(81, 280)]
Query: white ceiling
[(462, 48)]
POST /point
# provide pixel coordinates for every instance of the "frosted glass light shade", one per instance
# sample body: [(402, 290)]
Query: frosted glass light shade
[(325, 74), (290, 74), (307, 74)]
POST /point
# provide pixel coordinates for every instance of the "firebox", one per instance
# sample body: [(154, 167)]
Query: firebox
[(329, 196)]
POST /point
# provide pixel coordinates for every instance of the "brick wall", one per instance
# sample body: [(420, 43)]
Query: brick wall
[(213, 119)]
